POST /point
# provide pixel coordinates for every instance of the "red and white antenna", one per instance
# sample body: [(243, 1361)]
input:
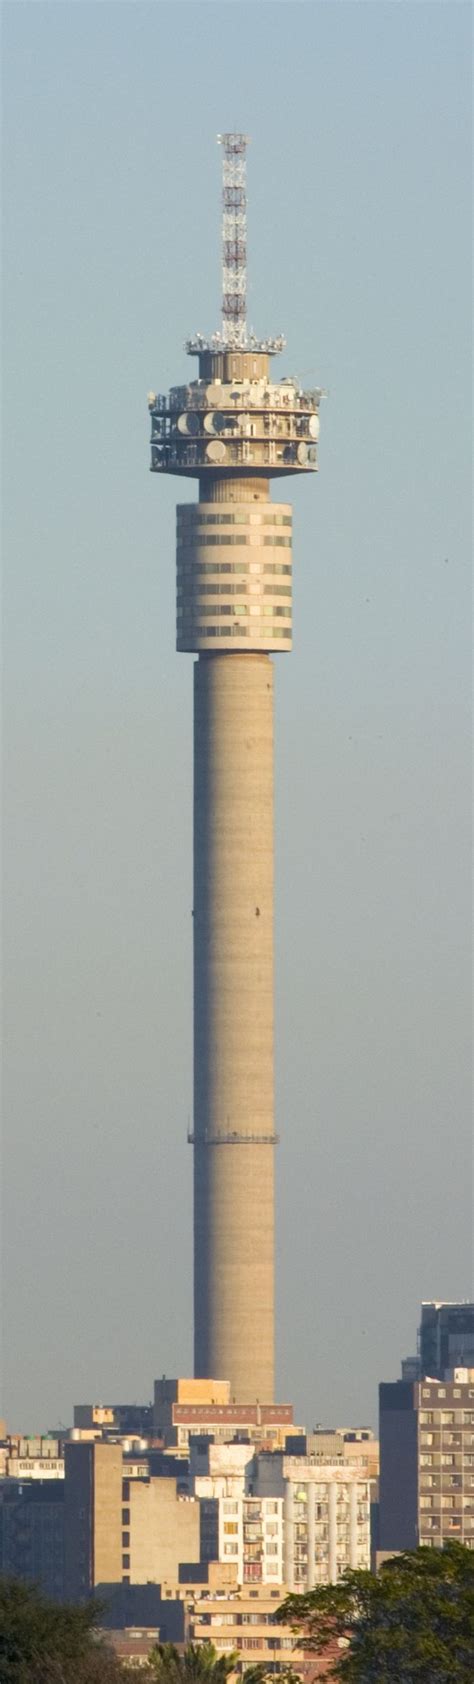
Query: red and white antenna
[(234, 239), (233, 334)]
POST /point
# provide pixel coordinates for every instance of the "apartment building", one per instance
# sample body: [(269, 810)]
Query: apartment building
[(427, 1462), (121, 1529), (326, 1515), (244, 1620), (247, 1531)]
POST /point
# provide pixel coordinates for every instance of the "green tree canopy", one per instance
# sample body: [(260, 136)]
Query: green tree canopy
[(412, 1623), (43, 1642), (198, 1663)]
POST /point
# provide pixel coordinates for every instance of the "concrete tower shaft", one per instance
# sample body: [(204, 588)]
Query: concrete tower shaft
[(235, 429), (233, 1021)]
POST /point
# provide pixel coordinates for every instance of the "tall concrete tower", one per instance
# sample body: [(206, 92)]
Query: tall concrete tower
[(235, 430)]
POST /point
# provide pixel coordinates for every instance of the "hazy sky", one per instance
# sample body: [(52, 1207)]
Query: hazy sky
[(359, 248)]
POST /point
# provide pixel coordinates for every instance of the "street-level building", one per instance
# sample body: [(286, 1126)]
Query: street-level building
[(244, 1620)]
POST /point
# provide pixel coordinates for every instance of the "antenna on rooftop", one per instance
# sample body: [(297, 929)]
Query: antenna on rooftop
[(234, 238)]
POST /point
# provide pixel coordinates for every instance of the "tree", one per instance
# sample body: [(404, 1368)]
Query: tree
[(413, 1623), (199, 1663), (43, 1642)]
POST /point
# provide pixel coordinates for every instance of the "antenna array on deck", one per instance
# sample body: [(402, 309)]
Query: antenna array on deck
[(234, 239), (234, 335)]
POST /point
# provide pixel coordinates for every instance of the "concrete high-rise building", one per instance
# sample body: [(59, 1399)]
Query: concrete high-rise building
[(235, 430), (121, 1528), (326, 1515), (32, 1532), (427, 1462)]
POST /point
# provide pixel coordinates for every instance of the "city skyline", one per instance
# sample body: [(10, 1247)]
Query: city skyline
[(108, 268)]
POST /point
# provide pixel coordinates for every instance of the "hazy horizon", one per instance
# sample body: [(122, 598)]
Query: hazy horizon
[(359, 250)]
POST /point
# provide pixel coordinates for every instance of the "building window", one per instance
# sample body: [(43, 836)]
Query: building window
[(125, 1561), (125, 1540)]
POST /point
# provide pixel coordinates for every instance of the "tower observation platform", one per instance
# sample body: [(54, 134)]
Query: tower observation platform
[(234, 429)]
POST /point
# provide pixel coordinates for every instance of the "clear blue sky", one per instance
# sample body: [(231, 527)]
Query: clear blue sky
[(360, 238)]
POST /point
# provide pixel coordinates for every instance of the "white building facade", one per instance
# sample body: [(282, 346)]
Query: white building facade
[(326, 1517)]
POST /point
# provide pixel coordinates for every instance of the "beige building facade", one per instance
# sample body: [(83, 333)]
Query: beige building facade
[(119, 1529)]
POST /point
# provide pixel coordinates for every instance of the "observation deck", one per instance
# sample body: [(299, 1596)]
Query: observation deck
[(248, 426)]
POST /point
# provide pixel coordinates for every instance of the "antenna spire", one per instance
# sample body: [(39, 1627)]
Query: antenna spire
[(233, 334), (234, 238)]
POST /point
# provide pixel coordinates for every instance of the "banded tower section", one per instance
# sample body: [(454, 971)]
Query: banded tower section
[(234, 429)]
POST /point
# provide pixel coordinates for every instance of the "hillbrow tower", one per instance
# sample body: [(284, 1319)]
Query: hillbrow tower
[(235, 430)]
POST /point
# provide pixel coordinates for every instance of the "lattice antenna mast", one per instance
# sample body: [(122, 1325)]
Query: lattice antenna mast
[(234, 239)]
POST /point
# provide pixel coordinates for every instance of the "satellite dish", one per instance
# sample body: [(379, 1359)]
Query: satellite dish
[(314, 426), (188, 423), (209, 420), (220, 421), (213, 395), (216, 450), (302, 452)]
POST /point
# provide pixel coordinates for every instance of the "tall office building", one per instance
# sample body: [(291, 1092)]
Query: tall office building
[(234, 429), (446, 1337)]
